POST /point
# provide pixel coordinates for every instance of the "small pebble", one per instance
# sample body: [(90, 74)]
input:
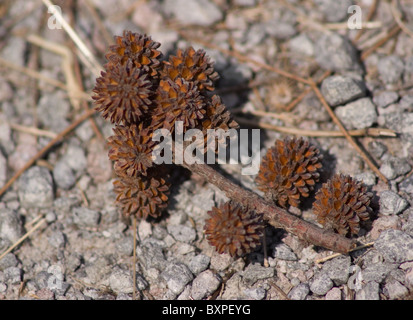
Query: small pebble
[(321, 284), (391, 203), (11, 227), (338, 90), (359, 114), (395, 246), (205, 284), (177, 276), (36, 188), (85, 217), (299, 292)]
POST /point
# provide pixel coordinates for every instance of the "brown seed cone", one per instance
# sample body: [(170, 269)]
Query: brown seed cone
[(178, 101), (217, 117), (139, 49), (342, 203), (233, 229), (131, 150), (123, 94), (289, 171), (141, 196), (193, 66)]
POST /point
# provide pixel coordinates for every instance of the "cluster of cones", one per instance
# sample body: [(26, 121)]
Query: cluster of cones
[(139, 92)]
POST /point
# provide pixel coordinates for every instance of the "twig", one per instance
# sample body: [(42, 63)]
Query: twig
[(274, 215), (93, 64), (370, 15), (391, 33), (322, 260), (280, 291), (370, 132), (39, 76), (398, 18), (346, 134), (24, 237), (33, 130), (46, 148)]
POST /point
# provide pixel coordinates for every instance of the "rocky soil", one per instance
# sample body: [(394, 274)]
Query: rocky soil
[(82, 248)]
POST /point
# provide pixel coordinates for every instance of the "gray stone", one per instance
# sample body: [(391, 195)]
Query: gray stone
[(197, 12), (395, 290), (335, 52), (359, 114), (299, 292), (198, 263), (321, 283), (75, 158), (6, 91), (177, 276), (125, 246), (367, 177), (281, 30), (205, 284), (63, 175), (408, 70), (36, 188), (390, 69), (182, 233), (369, 292), (6, 140), (13, 275), (3, 287), (255, 293), (255, 272), (338, 269), (220, 262), (334, 294), (334, 11), (151, 256), (395, 246), (377, 149), (10, 225), (302, 44), (376, 272), (284, 252), (3, 169), (122, 281), (57, 239), (85, 217), (393, 167), (9, 260), (339, 90), (385, 98), (391, 203), (52, 111)]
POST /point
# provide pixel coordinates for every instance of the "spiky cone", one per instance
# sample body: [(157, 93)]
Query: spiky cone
[(178, 100), (342, 203), (289, 171), (142, 196), (137, 48), (123, 94), (193, 66), (131, 150), (233, 229), (217, 117)]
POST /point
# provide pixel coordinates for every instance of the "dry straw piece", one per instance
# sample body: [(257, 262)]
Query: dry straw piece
[(233, 229), (342, 204), (289, 171)]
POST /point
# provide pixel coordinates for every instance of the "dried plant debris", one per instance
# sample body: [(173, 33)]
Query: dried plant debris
[(233, 229), (289, 171), (139, 93), (342, 204)]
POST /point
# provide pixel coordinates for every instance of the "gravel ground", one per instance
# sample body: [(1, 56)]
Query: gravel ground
[(83, 249)]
